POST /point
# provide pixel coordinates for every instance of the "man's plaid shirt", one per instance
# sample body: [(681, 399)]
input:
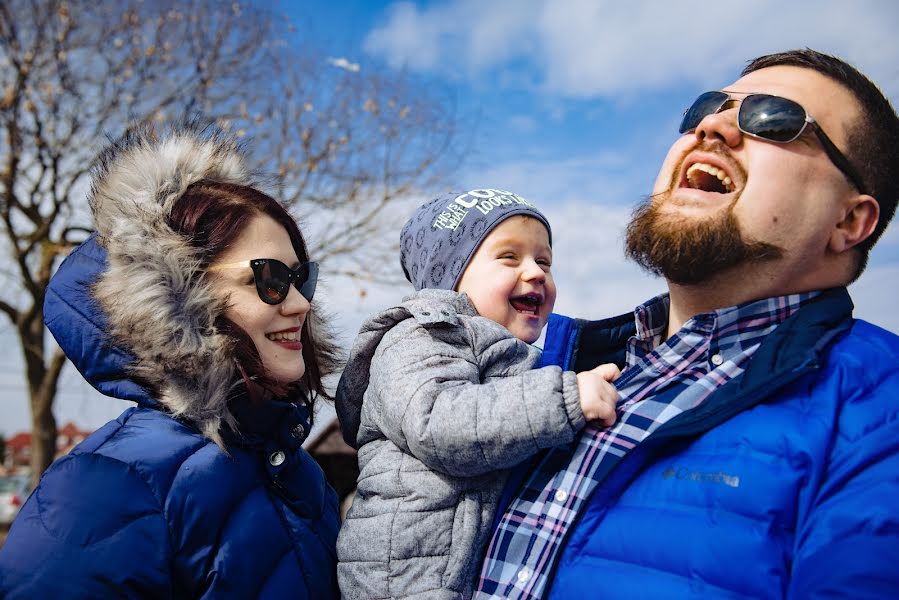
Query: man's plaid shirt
[(660, 381)]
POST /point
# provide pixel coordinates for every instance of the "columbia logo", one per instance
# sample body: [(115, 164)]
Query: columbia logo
[(687, 474)]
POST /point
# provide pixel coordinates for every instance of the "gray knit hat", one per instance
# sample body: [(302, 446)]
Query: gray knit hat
[(440, 239)]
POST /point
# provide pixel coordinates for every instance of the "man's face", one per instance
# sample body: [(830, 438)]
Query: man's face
[(724, 199)]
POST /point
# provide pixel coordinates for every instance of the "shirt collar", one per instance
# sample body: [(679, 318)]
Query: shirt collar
[(734, 322)]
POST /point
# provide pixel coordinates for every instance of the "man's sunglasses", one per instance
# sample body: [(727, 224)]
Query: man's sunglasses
[(770, 118), (273, 278)]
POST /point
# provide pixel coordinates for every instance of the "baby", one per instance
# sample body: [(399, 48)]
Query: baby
[(440, 396)]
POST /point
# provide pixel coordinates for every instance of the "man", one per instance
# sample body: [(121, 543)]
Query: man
[(757, 448)]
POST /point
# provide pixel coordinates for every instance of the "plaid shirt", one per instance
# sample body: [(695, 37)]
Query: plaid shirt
[(661, 380)]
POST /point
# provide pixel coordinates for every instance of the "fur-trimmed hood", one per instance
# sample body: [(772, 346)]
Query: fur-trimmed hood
[(155, 302)]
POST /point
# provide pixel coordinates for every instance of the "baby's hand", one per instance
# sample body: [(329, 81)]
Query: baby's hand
[(598, 395)]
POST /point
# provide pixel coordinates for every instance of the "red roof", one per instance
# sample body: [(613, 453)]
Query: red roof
[(20, 440), (23, 438), (72, 430)]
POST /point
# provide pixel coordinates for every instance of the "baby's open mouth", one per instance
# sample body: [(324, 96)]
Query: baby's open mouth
[(528, 304)]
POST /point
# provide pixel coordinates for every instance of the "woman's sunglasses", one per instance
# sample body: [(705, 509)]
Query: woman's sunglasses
[(770, 118), (273, 278)]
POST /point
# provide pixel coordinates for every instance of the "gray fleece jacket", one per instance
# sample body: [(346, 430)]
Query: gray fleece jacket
[(443, 400)]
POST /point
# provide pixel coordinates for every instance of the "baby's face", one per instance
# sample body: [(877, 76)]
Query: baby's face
[(509, 278)]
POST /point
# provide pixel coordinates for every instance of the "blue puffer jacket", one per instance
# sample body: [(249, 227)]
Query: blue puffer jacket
[(784, 484), (147, 507)]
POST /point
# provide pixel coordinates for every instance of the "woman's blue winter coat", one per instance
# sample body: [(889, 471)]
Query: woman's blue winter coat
[(147, 507)]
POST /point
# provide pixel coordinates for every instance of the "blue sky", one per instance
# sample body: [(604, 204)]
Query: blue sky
[(574, 104)]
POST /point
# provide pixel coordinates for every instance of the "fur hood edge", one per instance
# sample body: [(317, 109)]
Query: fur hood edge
[(156, 300)]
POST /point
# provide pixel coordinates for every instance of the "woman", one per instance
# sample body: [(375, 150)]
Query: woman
[(193, 300)]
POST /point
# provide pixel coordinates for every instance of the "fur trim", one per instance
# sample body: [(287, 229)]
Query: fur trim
[(153, 293)]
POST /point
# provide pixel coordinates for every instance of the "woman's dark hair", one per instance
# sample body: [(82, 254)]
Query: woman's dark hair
[(212, 215)]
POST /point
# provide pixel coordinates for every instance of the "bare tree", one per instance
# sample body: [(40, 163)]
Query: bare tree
[(343, 145)]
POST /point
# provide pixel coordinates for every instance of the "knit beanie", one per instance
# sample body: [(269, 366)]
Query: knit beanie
[(441, 237)]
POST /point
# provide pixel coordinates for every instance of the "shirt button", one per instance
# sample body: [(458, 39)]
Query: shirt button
[(277, 458), (561, 496), (524, 575), (717, 360)]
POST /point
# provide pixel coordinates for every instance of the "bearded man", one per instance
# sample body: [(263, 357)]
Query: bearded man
[(756, 452)]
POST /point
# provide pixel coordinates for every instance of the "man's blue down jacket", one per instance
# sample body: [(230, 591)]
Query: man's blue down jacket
[(146, 507), (784, 483)]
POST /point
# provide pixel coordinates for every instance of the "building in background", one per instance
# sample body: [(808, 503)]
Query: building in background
[(18, 448)]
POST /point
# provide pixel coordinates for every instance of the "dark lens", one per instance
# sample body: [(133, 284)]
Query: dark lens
[(272, 280), (707, 104), (306, 280), (771, 117)]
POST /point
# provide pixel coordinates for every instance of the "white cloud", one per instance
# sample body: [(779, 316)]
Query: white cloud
[(480, 34), (585, 48), (407, 40), (343, 63)]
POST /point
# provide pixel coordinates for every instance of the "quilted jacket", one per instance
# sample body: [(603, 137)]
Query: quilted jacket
[(439, 401), (194, 492), (783, 484)]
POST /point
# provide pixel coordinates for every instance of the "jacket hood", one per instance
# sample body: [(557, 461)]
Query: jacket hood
[(424, 306), (79, 326), (152, 301)]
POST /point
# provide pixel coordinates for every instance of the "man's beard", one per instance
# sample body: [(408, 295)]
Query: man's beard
[(686, 252)]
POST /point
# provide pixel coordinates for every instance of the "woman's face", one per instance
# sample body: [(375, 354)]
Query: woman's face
[(274, 329)]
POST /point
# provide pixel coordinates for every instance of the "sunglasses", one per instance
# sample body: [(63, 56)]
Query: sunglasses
[(273, 278), (770, 118)]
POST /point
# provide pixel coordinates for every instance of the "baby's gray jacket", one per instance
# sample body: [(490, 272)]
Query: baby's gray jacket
[(444, 401)]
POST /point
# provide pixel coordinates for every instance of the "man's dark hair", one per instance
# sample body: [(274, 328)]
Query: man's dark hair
[(873, 139)]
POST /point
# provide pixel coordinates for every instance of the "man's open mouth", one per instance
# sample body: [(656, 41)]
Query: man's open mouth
[(528, 304), (709, 178)]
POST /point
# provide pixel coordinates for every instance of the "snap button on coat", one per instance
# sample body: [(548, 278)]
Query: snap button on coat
[(276, 459)]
